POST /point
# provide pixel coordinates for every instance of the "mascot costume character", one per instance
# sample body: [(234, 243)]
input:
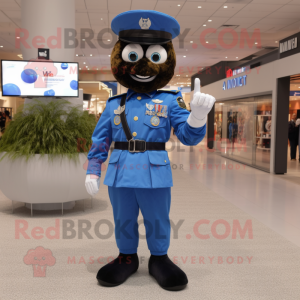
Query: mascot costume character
[(139, 122)]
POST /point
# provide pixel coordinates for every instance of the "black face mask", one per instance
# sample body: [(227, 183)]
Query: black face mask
[(122, 69)]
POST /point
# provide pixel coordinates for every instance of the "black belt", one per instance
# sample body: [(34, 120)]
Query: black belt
[(139, 146)]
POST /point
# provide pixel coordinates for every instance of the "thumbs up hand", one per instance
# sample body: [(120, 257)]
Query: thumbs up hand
[(201, 105)]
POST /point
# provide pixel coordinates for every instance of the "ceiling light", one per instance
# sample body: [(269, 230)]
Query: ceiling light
[(84, 63), (191, 42), (184, 56), (101, 18), (226, 57), (186, 75), (276, 41), (209, 20), (204, 25), (206, 42), (109, 55), (199, 6), (91, 54), (76, 54), (79, 68), (256, 43), (83, 39), (236, 57), (18, 37), (178, 5), (225, 6), (108, 40), (1, 46)]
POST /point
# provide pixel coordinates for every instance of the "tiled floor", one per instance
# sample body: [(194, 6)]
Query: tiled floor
[(271, 199), (264, 266)]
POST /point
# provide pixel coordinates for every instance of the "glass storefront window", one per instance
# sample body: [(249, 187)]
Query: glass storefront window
[(243, 130)]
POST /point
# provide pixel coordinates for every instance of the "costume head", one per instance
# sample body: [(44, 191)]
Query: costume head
[(144, 58)]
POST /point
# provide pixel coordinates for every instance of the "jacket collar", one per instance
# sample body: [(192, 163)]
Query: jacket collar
[(131, 93)]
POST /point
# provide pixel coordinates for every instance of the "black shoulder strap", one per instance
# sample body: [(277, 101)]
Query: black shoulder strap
[(124, 121)]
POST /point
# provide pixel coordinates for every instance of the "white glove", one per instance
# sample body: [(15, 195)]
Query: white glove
[(200, 106), (92, 184), (298, 122)]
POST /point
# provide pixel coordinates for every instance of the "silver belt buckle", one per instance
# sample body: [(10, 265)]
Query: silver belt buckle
[(133, 141)]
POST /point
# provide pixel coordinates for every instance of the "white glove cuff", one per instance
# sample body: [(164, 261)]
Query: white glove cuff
[(196, 123), (89, 176)]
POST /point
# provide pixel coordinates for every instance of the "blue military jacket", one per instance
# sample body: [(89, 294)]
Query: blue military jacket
[(149, 169)]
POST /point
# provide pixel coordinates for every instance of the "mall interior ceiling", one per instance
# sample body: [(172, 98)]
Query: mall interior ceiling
[(211, 30)]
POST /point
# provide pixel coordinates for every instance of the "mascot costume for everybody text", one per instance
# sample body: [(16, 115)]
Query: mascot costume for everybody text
[(139, 123)]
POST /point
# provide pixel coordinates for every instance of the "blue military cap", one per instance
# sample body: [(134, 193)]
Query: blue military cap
[(145, 27)]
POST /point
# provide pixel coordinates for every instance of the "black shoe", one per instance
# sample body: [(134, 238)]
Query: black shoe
[(167, 274), (117, 271)]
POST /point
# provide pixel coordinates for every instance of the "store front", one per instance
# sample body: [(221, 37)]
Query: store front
[(99, 92), (252, 111), (243, 130), (10, 104)]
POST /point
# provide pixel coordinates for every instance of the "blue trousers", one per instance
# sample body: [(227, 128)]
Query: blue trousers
[(155, 207)]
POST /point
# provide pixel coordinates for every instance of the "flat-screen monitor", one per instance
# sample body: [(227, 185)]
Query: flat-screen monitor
[(39, 78)]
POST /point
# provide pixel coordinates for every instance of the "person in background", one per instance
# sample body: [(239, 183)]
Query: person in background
[(293, 136), (7, 115), (233, 130), (2, 121), (215, 129), (7, 118), (297, 124), (2, 124), (229, 121)]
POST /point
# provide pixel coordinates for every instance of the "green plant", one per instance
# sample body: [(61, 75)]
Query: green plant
[(54, 128)]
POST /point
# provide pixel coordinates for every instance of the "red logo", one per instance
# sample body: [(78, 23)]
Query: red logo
[(48, 74), (39, 258)]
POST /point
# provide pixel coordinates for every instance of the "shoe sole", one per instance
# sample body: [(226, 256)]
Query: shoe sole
[(173, 288), (108, 284)]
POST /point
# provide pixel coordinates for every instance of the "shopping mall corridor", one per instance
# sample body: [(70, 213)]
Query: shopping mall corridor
[(235, 233)]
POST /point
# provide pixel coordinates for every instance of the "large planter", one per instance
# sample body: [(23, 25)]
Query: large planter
[(40, 180)]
